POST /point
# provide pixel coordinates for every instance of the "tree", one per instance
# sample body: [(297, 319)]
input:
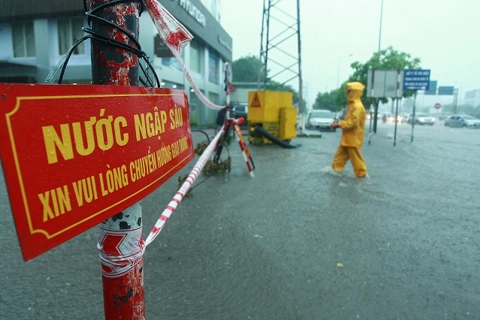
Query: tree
[(251, 69), (388, 59), (248, 69), (327, 101)]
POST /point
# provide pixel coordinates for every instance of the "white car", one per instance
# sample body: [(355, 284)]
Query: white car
[(422, 118), (462, 120), (320, 119)]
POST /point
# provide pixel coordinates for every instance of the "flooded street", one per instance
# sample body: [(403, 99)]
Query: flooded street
[(295, 242)]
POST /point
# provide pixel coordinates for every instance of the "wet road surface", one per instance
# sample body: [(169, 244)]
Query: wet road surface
[(295, 242)]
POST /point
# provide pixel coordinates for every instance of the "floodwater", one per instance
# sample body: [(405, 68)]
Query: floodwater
[(295, 242)]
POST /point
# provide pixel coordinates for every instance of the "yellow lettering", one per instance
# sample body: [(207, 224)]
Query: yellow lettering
[(64, 199), (121, 139), (172, 119), (110, 182), (175, 151), (85, 189), (47, 211), (132, 174), (77, 189), (163, 115), (60, 200), (140, 128), (179, 117), (89, 138), (183, 144), (53, 141), (102, 186), (150, 125), (164, 155), (176, 118)]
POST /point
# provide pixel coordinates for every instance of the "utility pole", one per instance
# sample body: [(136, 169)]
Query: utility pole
[(120, 242), (280, 34), (380, 28), (377, 100)]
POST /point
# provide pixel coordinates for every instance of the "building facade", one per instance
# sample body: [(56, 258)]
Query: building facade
[(35, 35), (472, 98)]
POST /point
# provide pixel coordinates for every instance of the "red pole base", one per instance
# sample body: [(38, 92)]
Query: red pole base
[(123, 296)]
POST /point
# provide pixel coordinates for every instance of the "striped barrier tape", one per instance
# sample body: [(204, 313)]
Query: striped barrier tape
[(183, 190), (175, 36)]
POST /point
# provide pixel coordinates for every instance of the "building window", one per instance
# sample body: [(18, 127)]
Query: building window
[(213, 75), (171, 62), (195, 56), (213, 97), (69, 31), (23, 39)]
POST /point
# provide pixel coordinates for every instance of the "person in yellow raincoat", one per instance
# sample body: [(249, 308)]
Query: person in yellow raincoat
[(353, 131)]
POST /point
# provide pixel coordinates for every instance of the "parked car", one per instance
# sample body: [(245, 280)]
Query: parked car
[(239, 110), (444, 116), (422, 118), (320, 119), (462, 120)]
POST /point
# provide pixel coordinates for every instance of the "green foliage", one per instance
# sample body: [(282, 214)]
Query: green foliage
[(327, 101), (388, 59), (248, 69)]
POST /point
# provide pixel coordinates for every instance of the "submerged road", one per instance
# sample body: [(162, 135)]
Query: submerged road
[(295, 242)]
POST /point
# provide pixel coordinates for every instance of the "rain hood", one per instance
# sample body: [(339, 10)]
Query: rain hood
[(355, 90)]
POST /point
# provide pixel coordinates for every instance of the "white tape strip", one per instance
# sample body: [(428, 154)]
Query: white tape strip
[(175, 36), (183, 190), (120, 251)]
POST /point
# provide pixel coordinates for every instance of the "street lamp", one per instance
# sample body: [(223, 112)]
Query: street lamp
[(338, 68), (380, 28)]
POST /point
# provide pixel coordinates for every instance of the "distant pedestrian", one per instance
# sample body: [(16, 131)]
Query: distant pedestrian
[(353, 130)]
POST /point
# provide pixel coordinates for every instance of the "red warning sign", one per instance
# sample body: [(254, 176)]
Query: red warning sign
[(75, 155), (256, 102)]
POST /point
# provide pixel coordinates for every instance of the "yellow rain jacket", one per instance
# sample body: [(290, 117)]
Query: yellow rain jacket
[(353, 129), (353, 126)]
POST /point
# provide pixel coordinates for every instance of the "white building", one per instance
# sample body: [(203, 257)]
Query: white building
[(472, 98)]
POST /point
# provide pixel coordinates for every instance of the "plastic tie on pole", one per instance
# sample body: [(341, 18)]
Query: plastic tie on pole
[(120, 251)]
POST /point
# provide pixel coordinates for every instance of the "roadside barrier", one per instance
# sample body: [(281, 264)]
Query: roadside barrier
[(121, 249), (197, 169)]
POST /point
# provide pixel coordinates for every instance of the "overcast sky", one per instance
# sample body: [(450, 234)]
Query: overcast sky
[(443, 34)]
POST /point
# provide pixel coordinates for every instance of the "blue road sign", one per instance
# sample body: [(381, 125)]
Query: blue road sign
[(445, 90), (416, 79), (432, 89)]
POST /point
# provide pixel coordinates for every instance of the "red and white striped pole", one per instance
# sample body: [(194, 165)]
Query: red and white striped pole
[(228, 83), (120, 242), (243, 146)]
